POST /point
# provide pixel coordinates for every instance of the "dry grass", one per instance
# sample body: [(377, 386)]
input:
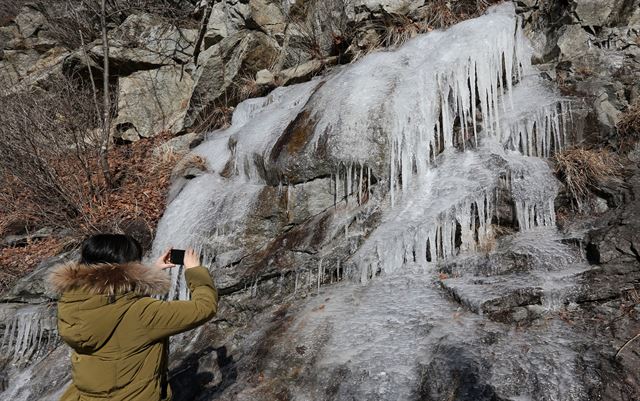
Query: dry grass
[(586, 170), (395, 29), (629, 127), (16, 262)]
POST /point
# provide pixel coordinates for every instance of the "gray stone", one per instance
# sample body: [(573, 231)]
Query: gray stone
[(32, 288), (227, 18), (264, 77), (29, 21), (145, 39), (597, 12), (224, 65), (573, 42), (14, 66), (303, 72), (152, 102), (268, 16), (177, 146), (390, 6), (24, 239), (8, 36)]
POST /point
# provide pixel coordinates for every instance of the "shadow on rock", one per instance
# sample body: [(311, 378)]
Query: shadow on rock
[(202, 374)]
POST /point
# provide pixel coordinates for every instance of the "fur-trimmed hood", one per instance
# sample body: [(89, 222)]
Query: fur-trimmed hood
[(109, 279)]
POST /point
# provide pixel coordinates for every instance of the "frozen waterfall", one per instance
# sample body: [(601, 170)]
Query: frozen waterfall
[(440, 125)]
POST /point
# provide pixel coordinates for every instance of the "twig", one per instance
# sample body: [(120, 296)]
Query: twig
[(627, 343)]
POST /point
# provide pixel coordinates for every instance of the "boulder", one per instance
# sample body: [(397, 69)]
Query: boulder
[(573, 42), (268, 16), (151, 102), (304, 72), (32, 288), (146, 41), (604, 12), (227, 18), (224, 65), (14, 66), (29, 21), (264, 77)]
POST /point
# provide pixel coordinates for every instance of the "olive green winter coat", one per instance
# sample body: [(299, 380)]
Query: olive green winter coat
[(118, 333)]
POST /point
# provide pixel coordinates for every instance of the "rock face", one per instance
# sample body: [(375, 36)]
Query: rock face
[(591, 47), (144, 41), (152, 102), (338, 278), (224, 66)]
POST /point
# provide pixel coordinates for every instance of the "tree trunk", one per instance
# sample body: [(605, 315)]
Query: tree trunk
[(203, 30), (106, 119)]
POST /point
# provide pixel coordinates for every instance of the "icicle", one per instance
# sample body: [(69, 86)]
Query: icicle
[(319, 274)]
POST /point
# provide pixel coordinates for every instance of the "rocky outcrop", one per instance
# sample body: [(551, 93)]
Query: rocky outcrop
[(225, 68), (591, 49), (152, 102), (145, 41)]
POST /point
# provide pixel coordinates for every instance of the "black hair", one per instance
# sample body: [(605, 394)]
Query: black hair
[(110, 248)]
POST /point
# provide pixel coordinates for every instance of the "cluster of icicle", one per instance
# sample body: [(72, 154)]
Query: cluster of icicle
[(29, 334), (443, 91)]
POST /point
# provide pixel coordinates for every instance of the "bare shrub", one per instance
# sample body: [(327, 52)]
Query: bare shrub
[(50, 147), (586, 170), (629, 127), (71, 21), (9, 9)]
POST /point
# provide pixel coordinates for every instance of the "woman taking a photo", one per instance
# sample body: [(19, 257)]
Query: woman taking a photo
[(118, 332)]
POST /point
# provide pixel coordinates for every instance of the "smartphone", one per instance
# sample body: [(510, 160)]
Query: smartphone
[(177, 257)]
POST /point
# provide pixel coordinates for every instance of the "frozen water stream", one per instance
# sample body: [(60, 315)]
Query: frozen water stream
[(385, 336)]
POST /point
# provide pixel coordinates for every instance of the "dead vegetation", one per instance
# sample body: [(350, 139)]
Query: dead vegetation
[(585, 171), (629, 127), (390, 30)]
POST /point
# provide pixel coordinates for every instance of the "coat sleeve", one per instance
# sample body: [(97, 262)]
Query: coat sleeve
[(162, 319)]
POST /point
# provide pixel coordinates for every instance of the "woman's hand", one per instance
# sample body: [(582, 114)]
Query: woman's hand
[(191, 259), (163, 261)]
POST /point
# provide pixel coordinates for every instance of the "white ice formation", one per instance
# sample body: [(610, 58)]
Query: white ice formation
[(443, 123)]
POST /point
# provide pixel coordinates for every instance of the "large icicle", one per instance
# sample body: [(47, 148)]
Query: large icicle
[(28, 333)]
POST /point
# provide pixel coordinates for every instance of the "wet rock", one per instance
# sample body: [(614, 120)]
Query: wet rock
[(151, 102), (493, 295)]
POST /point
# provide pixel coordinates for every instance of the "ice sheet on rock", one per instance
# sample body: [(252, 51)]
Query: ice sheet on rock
[(210, 212), (377, 340), (257, 125), (455, 196), (421, 99), (208, 215)]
